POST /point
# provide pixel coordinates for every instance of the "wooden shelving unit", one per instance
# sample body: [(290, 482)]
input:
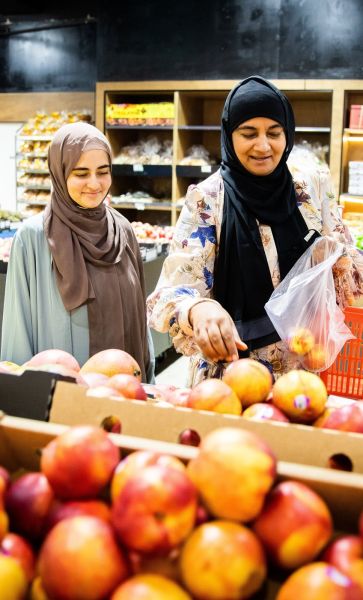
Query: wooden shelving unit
[(321, 109)]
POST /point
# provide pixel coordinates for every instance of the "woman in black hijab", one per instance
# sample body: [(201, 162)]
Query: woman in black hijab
[(252, 222)]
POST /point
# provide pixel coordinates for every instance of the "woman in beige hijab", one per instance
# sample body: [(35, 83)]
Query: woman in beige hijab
[(75, 278)]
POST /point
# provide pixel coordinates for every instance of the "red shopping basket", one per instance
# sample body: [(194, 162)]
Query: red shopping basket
[(345, 376)]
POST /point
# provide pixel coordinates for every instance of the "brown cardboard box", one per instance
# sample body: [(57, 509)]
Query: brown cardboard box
[(295, 443), (21, 441)]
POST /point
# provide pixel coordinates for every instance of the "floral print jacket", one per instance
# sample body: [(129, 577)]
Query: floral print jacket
[(187, 273)]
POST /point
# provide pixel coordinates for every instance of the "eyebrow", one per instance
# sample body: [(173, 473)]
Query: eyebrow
[(251, 128), (87, 169)]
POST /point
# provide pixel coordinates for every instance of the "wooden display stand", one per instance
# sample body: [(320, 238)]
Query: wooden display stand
[(321, 108)]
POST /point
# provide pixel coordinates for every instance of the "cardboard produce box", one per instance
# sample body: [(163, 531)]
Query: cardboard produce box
[(302, 444), (21, 441)]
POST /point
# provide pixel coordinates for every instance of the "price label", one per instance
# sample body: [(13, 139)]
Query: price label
[(139, 205), (206, 168), (138, 168)]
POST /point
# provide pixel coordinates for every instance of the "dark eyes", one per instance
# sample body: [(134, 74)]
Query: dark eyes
[(250, 136), (85, 174)]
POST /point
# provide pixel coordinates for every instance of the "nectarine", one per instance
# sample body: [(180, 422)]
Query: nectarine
[(250, 379)]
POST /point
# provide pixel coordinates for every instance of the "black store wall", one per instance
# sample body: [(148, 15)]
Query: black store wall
[(184, 39)]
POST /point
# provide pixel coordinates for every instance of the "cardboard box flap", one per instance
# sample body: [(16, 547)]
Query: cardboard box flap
[(294, 443)]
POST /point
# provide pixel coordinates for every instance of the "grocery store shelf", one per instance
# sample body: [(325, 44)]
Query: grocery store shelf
[(157, 127), (33, 187), (195, 170), (312, 129), (199, 127), (36, 138), (140, 205), (353, 131), (351, 198), (33, 202), (139, 169), (33, 171)]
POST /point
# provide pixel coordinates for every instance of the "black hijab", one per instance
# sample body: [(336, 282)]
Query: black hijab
[(242, 279)]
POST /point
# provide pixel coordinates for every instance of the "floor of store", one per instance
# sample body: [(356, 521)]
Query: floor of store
[(175, 373)]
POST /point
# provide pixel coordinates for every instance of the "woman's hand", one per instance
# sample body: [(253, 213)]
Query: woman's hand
[(214, 332)]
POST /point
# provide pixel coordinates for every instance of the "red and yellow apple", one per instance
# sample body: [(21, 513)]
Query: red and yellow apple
[(155, 510), (316, 359), (79, 462), (263, 411), (21, 550), (135, 462), (300, 341), (300, 395), (249, 379), (222, 559), (149, 587), (346, 554), (13, 581), (319, 581), (233, 472), (81, 559), (128, 386), (345, 418), (294, 525), (53, 357), (214, 395), (112, 361), (28, 501)]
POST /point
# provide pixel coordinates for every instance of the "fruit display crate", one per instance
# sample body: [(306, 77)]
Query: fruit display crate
[(22, 440), (301, 444)]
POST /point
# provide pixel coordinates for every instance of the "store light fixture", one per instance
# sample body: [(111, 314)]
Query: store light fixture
[(5, 25)]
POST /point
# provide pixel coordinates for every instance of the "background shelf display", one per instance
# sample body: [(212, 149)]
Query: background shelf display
[(198, 107)]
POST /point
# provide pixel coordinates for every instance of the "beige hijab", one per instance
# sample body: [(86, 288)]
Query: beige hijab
[(95, 254)]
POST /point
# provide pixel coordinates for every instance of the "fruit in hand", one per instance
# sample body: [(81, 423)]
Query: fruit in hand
[(222, 560), (300, 395), (233, 471), (249, 379), (81, 559), (300, 341), (214, 395), (294, 525), (79, 462), (110, 362)]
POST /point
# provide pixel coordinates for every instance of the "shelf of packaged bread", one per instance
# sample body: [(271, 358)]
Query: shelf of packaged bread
[(140, 169)]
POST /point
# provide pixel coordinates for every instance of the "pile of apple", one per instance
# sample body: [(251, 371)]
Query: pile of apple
[(92, 526), (145, 232)]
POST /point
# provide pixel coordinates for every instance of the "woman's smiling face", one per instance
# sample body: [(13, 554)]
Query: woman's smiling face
[(90, 179), (259, 144)]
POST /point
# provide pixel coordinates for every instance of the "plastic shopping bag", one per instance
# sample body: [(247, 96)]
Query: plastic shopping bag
[(303, 307)]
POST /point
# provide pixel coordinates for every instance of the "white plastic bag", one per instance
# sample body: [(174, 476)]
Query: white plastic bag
[(303, 307)]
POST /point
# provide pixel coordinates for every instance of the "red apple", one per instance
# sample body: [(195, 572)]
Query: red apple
[(149, 586), (79, 462), (222, 560), (110, 362), (263, 411), (28, 501), (81, 559), (233, 472), (127, 385), (53, 356), (73, 508), (19, 548), (214, 395), (345, 418), (294, 524), (346, 554), (155, 510), (135, 462), (300, 395), (319, 581)]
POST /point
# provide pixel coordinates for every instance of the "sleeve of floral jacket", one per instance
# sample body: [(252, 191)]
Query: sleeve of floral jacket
[(187, 273)]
